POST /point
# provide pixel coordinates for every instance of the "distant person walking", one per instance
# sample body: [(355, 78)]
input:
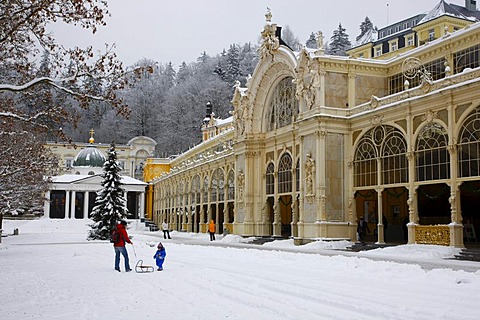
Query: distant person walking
[(362, 229), (159, 256), (211, 230), (119, 246), (165, 229)]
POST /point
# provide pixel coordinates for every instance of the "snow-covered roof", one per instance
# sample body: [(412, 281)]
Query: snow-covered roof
[(81, 178), (369, 36), (444, 9)]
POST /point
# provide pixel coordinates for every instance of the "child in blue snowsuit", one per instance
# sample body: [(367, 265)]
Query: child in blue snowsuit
[(160, 256)]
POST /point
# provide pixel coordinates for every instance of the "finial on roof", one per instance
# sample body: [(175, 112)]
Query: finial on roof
[(91, 140), (268, 15)]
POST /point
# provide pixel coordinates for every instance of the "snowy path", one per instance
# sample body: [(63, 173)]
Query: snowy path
[(77, 281)]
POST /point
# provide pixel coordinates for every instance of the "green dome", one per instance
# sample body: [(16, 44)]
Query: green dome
[(89, 157)]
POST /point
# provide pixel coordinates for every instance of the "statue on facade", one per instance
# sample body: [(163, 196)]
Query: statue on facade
[(240, 184), (309, 172)]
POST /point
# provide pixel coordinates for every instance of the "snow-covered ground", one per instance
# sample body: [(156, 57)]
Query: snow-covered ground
[(49, 271)]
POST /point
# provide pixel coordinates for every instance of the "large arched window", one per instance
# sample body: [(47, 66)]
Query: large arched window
[(196, 189), (388, 144), (469, 146), (365, 163), (283, 107), (285, 174), (394, 159), (270, 179), (432, 158)]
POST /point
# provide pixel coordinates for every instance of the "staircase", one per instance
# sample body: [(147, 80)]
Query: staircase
[(149, 224), (469, 254)]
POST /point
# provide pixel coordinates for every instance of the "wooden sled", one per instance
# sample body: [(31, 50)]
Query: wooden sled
[(141, 268)]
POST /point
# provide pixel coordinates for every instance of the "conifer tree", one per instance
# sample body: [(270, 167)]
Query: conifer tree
[(311, 42), (110, 203), (339, 42)]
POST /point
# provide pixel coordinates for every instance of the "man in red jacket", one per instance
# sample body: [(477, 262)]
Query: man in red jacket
[(119, 246)]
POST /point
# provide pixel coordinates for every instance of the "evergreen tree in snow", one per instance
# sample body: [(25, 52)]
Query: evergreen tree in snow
[(110, 203), (184, 72), (365, 26), (291, 39), (232, 64), (204, 57), (339, 42), (311, 42)]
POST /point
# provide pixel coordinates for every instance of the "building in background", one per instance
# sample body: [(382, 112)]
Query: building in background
[(72, 194)]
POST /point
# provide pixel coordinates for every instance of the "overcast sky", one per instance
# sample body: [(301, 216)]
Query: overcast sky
[(180, 30)]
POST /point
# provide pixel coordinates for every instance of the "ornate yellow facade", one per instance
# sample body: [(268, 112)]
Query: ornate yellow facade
[(318, 141)]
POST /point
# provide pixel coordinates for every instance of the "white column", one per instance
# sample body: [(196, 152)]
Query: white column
[(67, 203), (46, 205), (141, 213), (72, 205), (86, 199)]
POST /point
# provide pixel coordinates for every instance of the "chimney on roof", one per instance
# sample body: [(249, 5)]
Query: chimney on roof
[(209, 109), (471, 5)]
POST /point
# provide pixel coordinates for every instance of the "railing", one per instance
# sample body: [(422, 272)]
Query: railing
[(439, 235)]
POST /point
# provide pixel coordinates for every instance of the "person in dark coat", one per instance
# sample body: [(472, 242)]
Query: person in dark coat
[(159, 256), (362, 229), (119, 246)]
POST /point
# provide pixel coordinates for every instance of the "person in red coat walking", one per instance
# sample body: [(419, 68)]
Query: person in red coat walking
[(119, 246)]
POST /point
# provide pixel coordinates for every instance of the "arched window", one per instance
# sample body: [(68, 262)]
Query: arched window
[(283, 107), (231, 185), (388, 144), (285, 174), (365, 163), (205, 190), (469, 146), (196, 189), (394, 159), (270, 179), (432, 158)]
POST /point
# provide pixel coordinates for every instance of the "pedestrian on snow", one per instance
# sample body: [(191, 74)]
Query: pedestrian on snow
[(362, 229), (119, 246), (159, 256), (211, 230), (165, 229)]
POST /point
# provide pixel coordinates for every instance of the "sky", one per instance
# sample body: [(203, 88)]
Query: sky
[(177, 31), (49, 271)]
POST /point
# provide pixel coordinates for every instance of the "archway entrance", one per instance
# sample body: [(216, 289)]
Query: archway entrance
[(285, 207), (470, 202), (433, 205)]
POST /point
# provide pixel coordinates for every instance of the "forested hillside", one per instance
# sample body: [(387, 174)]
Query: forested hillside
[(168, 104)]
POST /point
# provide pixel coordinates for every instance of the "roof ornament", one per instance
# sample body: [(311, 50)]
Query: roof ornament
[(270, 41), (413, 67), (91, 140), (320, 45)]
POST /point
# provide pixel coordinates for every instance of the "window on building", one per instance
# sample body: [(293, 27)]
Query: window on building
[(394, 159), (405, 25), (231, 185), (378, 51), (397, 28), (410, 41), (431, 34), (285, 174), (469, 146), (432, 158), (468, 58), (393, 46), (68, 162), (283, 107), (270, 179)]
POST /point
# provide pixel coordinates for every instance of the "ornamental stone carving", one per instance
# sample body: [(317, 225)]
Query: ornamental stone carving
[(309, 174), (270, 41)]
